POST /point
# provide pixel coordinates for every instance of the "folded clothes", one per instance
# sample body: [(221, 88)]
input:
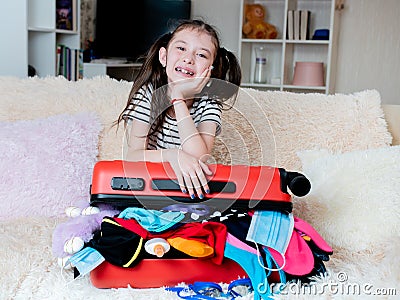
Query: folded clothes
[(210, 233), (117, 245)]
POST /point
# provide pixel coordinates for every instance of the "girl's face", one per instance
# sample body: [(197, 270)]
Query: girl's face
[(189, 53)]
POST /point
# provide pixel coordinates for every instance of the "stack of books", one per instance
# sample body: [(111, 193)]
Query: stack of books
[(69, 62), (298, 24)]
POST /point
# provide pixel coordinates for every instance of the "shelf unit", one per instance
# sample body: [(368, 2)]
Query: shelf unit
[(43, 36), (284, 53), (34, 37)]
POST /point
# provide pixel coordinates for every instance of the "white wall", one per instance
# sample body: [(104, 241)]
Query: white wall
[(368, 46), (14, 37), (224, 16)]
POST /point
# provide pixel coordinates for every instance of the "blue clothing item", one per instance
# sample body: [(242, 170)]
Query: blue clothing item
[(250, 264), (272, 229), (205, 290), (86, 260), (152, 220)]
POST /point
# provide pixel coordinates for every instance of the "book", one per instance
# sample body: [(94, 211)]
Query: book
[(66, 14), (72, 64), (58, 56), (290, 28), (60, 59), (80, 64), (305, 24), (296, 24), (69, 62), (67, 66)]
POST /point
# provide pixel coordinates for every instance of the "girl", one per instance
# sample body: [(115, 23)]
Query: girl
[(168, 120)]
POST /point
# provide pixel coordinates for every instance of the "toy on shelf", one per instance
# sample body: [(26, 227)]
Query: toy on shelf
[(255, 27)]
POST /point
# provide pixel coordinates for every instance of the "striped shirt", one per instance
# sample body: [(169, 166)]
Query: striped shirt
[(167, 136)]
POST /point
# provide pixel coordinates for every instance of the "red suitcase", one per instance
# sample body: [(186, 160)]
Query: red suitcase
[(153, 186), (152, 273)]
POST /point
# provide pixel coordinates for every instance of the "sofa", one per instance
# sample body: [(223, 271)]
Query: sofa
[(53, 131)]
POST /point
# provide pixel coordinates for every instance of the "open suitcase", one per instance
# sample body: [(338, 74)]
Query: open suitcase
[(153, 186)]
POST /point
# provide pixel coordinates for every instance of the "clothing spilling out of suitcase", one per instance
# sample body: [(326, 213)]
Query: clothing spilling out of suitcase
[(253, 242)]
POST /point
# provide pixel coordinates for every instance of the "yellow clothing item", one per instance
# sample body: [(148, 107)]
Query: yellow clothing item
[(191, 247)]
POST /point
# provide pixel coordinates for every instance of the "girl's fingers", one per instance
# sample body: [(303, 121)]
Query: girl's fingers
[(200, 81), (181, 183), (189, 185), (206, 73), (205, 77), (203, 181), (205, 168), (197, 186), (189, 87)]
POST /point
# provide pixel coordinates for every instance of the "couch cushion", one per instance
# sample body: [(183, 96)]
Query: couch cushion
[(46, 164), (36, 97), (269, 127), (354, 199)]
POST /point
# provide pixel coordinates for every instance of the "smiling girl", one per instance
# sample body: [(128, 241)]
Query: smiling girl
[(170, 116)]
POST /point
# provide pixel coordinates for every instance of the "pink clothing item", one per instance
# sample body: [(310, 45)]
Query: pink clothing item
[(306, 228), (234, 241), (299, 257)]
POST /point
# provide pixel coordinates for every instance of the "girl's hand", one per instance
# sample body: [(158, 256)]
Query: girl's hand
[(190, 173), (187, 88)]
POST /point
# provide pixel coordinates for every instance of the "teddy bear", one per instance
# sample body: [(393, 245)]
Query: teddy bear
[(255, 27)]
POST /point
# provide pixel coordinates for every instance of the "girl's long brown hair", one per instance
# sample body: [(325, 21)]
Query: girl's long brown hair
[(226, 67)]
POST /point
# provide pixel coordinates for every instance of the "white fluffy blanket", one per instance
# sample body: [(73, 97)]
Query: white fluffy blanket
[(354, 202)]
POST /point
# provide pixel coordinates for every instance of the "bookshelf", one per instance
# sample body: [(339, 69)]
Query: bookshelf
[(283, 53), (35, 37)]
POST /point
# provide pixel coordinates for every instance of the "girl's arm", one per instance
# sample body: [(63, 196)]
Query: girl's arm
[(188, 169), (137, 144), (195, 141)]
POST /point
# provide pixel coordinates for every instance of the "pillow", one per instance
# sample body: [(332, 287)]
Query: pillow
[(57, 95), (269, 127), (354, 199), (46, 164)]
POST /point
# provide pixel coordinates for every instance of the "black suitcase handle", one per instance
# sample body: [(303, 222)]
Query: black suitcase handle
[(215, 186)]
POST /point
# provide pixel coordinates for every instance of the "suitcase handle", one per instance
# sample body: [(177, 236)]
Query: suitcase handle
[(215, 186), (138, 184), (127, 184), (296, 182)]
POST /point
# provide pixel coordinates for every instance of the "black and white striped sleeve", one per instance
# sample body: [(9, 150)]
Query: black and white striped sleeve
[(211, 111), (139, 106)]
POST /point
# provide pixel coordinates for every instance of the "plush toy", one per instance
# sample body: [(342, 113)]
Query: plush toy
[(255, 27), (69, 237)]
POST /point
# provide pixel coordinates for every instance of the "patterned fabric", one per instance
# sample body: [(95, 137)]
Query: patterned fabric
[(88, 16)]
